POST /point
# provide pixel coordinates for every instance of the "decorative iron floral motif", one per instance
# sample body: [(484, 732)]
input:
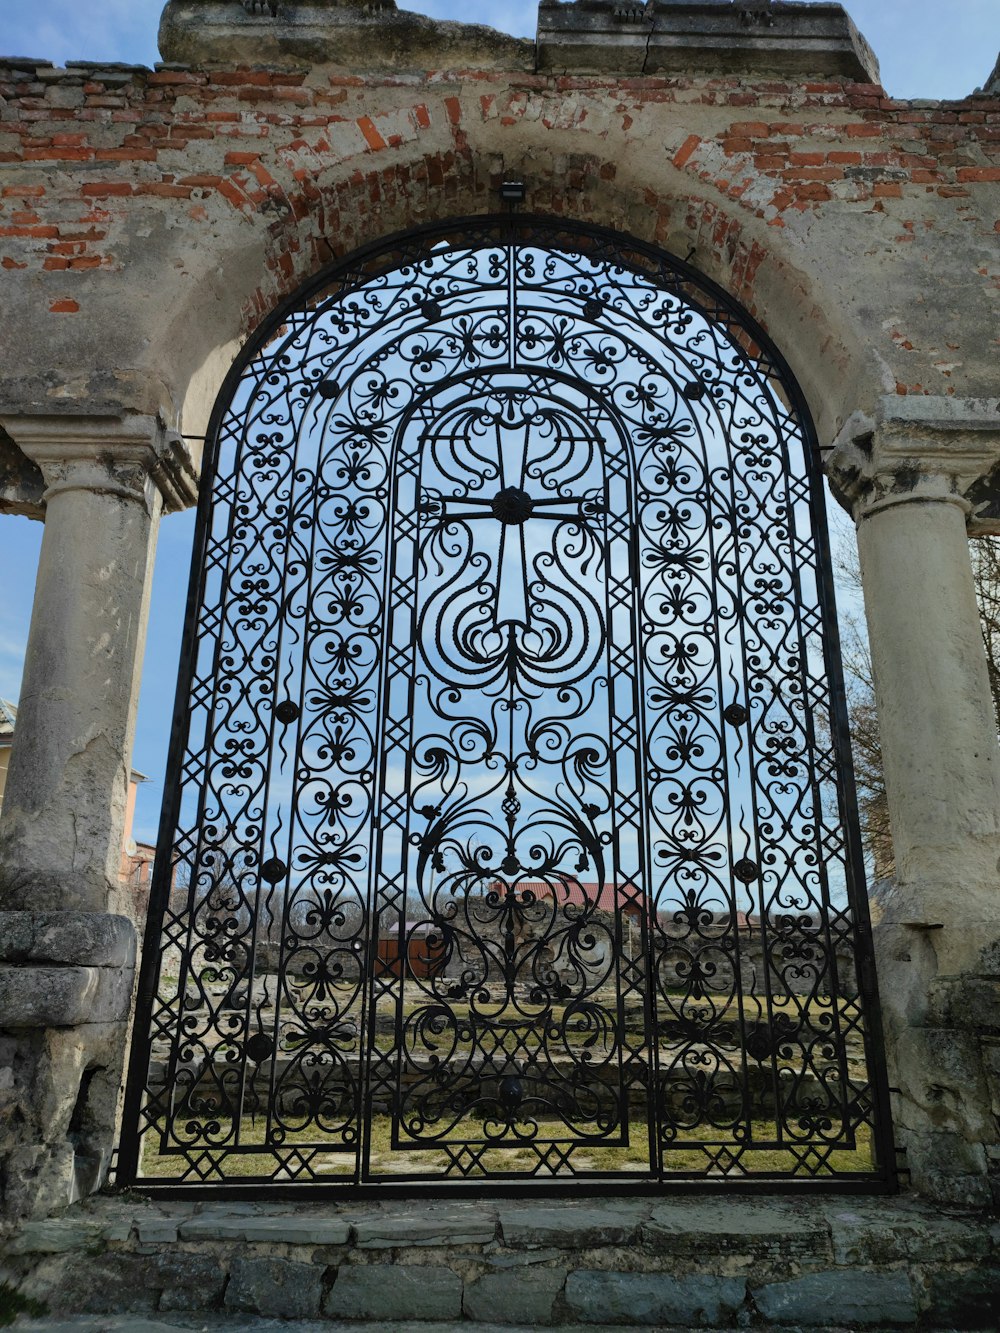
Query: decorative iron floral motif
[(509, 831)]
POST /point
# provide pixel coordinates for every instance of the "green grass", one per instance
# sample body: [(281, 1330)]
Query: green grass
[(588, 1157), (12, 1303), (595, 1157)]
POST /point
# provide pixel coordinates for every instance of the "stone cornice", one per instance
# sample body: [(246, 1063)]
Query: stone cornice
[(919, 449), (363, 35), (123, 456), (792, 39)]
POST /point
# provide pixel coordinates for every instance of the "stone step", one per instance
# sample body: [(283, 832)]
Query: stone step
[(679, 1263), (211, 1323)]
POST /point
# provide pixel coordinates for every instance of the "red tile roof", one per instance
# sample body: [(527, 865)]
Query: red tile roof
[(577, 893)]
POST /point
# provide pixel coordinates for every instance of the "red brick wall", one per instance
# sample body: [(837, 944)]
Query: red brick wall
[(321, 162)]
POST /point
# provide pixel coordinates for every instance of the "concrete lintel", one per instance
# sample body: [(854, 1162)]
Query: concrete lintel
[(109, 390), (784, 38), (951, 425), (107, 453)]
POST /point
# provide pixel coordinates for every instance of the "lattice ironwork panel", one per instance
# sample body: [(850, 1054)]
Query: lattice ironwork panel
[(509, 833)]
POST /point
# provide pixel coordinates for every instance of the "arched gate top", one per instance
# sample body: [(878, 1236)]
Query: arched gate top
[(509, 834)]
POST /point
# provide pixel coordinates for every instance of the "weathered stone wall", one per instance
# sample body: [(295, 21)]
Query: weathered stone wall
[(65, 996), (170, 210)]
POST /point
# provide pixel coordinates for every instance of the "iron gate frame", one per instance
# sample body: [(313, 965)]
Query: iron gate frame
[(671, 273)]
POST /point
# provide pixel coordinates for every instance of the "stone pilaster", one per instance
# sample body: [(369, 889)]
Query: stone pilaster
[(107, 482), (916, 480), (67, 952)]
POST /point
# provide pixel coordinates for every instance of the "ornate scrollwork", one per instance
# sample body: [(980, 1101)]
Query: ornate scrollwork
[(506, 841)]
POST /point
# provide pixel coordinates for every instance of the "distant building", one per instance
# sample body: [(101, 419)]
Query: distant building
[(8, 716)]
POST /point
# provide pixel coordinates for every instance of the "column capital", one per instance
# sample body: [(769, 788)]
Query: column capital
[(920, 449), (131, 457)]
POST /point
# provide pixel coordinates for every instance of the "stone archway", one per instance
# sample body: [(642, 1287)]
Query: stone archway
[(156, 235)]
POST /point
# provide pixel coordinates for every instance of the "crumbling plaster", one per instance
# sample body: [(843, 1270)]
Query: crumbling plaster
[(193, 201)]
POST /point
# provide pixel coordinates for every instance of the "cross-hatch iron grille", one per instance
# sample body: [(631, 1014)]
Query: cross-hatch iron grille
[(509, 831)]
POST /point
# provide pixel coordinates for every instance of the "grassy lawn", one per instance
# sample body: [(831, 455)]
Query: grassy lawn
[(528, 1027), (588, 1157)]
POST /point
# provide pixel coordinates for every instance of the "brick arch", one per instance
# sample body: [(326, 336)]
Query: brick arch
[(142, 246), (331, 211)]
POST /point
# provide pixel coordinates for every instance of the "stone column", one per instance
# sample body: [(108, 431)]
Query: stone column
[(915, 480), (67, 950)]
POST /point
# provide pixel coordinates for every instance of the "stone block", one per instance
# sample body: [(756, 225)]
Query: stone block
[(944, 1152), (867, 1234), (58, 997), (38, 1179), (84, 1284), (57, 1235), (961, 1191), (702, 1301), (853, 1297), (458, 1225), (946, 1058), (292, 1230), (801, 39), (527, 1298), (573, 1226), (359, 36), (211, 1225), (969, 1003), (46, 997), (156, 1231), (948, 1168), (189, 1281), (738, 1228), (267, 1229), (282, 1287), (78, 939), (964, 1300), (117, 1232), (394, 1292)]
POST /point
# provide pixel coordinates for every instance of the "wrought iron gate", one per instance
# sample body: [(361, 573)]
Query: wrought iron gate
[(510, 832)]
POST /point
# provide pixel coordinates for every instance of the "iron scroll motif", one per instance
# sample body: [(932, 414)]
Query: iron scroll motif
[(509, 832)]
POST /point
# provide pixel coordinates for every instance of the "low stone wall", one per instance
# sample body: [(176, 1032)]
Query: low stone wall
[(689, 1261)]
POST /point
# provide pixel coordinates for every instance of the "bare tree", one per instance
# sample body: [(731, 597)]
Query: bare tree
[(986, 567)]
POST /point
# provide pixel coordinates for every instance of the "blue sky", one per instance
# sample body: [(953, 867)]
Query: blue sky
[(926, 49)]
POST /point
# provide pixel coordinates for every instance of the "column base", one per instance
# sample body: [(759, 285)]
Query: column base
[(66, 981), (942, 1030)]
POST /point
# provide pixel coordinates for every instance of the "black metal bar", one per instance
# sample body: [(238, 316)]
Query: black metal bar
[(410, 719)]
